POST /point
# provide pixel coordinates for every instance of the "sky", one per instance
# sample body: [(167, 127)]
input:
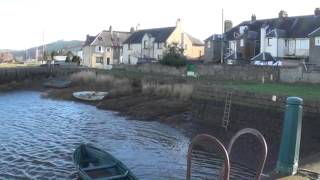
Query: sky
[(28, 23)]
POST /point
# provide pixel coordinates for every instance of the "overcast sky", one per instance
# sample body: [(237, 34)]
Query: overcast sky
[(24, 21)]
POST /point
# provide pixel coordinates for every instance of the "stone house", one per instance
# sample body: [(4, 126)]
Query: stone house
[(315, 47), (212, 50), (104, 49), (150, 44), (283, 37)]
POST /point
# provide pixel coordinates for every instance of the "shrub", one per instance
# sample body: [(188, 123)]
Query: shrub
[(173, 56)]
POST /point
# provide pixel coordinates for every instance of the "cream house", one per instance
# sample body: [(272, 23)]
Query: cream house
[(150, 44), (104, 49)]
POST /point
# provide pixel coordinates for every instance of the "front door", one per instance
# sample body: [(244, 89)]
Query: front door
[(292, 47)]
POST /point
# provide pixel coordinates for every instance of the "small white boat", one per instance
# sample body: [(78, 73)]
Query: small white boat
[(90, 95)]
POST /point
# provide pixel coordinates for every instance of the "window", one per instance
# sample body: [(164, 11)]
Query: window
[(286, 43), (317, 41), (99, 49), (241, 42), (108, 60), (108, 49), (99, 60), (145, 44), (209, 44), (302, 44), (159, 45), (129, 46), (269, 41)]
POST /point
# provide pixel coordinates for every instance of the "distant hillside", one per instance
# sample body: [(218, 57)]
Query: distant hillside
[(60, 45)]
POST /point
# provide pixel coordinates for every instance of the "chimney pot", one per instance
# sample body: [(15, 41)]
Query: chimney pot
[(317, 12), (110, 28), (132, 30), (283, 14), (178, 23), (253, 18)]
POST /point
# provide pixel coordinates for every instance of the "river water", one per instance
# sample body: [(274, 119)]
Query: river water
[(38, 136)]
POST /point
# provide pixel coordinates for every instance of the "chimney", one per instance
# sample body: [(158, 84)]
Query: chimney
[(137, 27), (253, 18), (178, 23), (227, 25), (317, 12), (283, 14), (132, 30), (110, 28)]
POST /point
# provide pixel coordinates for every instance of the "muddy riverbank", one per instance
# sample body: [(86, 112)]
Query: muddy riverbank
[(165, 100)]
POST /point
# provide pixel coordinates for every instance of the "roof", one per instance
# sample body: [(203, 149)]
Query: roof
[(89, 40), (315, 33), (290, 27), (249, 35), (110, 38), (214, 37), (160, 35), (264, 56), (195, 41), (277, 33)]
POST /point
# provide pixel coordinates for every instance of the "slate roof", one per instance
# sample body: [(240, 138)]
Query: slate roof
[(160, 35), (277, 33), (214, 37), (293, 27), (89, 40), (315, 33), (195, 41), (252, 35), (110, 38)]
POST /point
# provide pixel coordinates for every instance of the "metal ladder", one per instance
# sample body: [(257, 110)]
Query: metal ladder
[(227, 109)]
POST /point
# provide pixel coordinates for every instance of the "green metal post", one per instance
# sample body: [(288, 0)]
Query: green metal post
[(290, 141)]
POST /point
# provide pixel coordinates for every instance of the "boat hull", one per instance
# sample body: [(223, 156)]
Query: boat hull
[(93, 163)]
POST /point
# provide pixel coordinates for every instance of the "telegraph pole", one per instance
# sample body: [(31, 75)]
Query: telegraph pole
[(222, 32)]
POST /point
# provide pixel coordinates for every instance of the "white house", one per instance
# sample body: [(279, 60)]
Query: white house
[(104, 49), (150, 44), (283, 37)]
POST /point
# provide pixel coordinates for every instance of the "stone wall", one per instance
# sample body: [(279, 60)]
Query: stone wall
[(19, 74), (251, 110), (217, 72)]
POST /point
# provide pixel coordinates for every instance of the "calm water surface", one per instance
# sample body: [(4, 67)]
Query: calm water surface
[(38, 136)]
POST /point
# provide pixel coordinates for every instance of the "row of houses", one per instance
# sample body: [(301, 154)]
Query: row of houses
[(288, 39), (147, 45)]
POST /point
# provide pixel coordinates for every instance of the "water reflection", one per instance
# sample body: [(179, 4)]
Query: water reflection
[(39, 135)]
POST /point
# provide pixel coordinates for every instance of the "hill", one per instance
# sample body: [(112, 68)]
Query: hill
[(61, 45)]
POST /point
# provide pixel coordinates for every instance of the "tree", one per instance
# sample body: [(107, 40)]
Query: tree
[(76, 59), (53, 53), (173, 56), (69, 56)]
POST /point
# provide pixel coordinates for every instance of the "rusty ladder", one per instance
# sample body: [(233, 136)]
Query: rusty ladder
[(227, 110)]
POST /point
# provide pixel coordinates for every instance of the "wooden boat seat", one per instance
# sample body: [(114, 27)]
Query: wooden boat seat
[(95, 168), (121, 176)]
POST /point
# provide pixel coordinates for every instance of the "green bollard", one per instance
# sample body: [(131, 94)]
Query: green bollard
[(290, 141)]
